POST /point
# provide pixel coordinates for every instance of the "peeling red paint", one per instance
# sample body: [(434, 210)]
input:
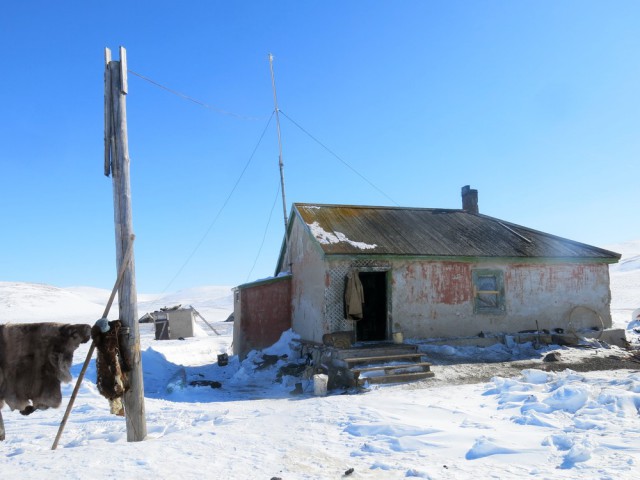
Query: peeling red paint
[(523, 280), (446, 283), (266, 313), (451, 283)]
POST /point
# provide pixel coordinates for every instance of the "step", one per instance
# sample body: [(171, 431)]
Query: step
[(398, 378), (395, 369), (410, 357), (376, 351)]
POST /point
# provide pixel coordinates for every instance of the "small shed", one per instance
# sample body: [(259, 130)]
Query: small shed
[(173, 323)]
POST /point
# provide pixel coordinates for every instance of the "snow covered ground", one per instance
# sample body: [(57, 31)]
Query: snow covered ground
[(535, 424)]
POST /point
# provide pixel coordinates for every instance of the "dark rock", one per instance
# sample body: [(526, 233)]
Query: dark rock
[(298, 390), (340, 377), (552, 357)]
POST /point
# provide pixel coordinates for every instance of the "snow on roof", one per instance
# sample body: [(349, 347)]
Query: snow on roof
[(327, 238)]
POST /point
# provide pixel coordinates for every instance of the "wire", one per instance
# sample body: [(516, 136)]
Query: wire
[(344, 162), (206, 233), (191, 99), (264, 237)]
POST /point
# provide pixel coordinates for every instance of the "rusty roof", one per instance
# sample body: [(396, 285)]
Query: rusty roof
[(363, 230)]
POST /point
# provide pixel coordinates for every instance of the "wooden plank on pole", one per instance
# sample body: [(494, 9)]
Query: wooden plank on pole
[(108, 140), (124, 83)]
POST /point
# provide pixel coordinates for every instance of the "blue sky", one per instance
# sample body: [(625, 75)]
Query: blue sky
[(534, 103)]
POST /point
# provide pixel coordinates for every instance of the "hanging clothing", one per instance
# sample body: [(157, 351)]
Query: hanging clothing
[(353, 296)]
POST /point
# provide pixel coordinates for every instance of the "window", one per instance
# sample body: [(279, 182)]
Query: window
[(488, 291)]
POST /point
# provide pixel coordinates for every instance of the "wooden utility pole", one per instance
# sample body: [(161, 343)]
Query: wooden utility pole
[(116, 163)]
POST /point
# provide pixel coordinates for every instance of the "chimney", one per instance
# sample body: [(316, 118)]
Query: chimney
[(469, 200)]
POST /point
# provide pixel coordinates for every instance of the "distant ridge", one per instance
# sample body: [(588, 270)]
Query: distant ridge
[(22, 302)]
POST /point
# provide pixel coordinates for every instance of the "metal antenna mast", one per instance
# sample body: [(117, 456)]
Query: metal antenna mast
[(275, 102)]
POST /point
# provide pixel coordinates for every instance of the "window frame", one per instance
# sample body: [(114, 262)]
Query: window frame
[(499, 306)]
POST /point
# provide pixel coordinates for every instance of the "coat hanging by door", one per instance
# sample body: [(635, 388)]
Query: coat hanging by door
[(353, 296)]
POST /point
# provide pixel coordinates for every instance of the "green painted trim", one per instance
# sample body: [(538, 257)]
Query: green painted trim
[(264, 281), (476, 273)]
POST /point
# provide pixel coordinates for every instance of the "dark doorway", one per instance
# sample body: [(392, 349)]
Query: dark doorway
[(373, 326)]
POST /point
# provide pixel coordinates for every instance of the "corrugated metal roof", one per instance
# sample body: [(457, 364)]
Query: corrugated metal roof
[(344, 229)]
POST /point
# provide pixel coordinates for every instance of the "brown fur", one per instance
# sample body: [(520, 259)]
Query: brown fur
[(34, 359), (111, 365)]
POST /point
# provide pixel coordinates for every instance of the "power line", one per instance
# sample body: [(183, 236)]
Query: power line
[(194, 100), (206, 233), (344, 162), (264, 236)]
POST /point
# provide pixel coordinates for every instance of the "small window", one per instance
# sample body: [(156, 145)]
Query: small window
[(488, 291)]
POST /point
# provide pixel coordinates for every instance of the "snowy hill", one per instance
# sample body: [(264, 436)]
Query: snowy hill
[(625, 282), (31, 302), (630, 256), (215, 303)]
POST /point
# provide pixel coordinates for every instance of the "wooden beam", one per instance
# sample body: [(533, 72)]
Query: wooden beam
[(124, 83), (108, 119), (115, 289)]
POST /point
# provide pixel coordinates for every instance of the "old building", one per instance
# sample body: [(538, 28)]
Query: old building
[(437, 273)]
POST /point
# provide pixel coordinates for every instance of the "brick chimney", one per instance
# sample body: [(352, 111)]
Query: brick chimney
[(469, 200)]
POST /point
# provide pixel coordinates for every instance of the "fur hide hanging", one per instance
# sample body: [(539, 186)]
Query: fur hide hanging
[(111, 364), (34, 359)]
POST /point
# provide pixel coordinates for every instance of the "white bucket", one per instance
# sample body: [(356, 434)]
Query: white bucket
[(320, 384), (398, 337)]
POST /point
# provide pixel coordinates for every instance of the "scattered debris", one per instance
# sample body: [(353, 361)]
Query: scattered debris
[(170, 309), (205, 383), (223, 360), (552, 357), (298, 390), (292, 370), (268, 361)]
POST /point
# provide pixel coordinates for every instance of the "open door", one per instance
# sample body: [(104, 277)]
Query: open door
[(373, 326)]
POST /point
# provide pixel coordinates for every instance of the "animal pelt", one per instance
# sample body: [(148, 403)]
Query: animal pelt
[(111, 364), (34, 359)]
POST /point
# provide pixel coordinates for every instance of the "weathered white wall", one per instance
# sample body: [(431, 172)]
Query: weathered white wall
[(435, 299), (308, 284), (180, 323), (238, 330)]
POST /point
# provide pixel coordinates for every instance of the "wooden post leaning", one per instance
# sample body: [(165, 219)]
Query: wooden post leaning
[(93, 346)]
